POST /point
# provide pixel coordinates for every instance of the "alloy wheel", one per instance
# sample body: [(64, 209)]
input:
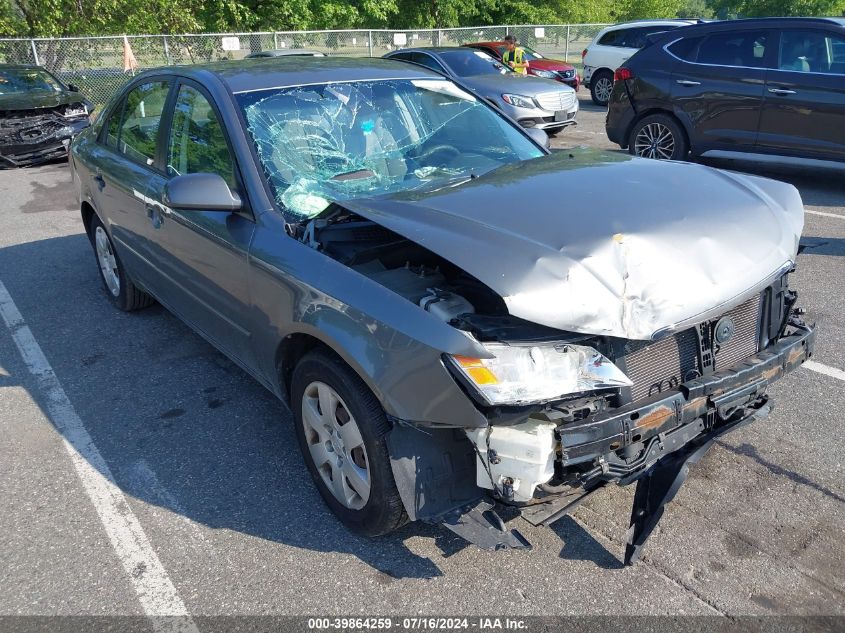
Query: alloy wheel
[(603, 89), (107, 261), (336, 446), (655, 140)]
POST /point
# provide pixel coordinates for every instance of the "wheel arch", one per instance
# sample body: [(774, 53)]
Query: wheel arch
[(599, 71), (649, 112), (295, 345), (88, 213)]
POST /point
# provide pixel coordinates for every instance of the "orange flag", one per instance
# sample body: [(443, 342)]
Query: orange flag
[(129, 61)]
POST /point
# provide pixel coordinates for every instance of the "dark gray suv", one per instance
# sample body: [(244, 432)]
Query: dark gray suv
[(773, 87), (393, 258)]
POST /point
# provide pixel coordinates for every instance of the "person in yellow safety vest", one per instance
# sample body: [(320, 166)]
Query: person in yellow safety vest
[(514, 56)]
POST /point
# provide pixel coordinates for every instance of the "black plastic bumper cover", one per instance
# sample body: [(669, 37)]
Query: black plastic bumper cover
[(46, 148), (720, 392)]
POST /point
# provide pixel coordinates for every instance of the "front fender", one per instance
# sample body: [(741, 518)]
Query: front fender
[(393, 345)]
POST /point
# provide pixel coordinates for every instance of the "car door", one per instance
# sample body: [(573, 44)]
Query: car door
[(202, 255), (717, 87), (125, 165), (610, 51), (804, 102)]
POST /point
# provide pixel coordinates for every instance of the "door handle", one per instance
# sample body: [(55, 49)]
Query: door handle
[(688, 82), (101, 182), (156, 214), (781, 91)]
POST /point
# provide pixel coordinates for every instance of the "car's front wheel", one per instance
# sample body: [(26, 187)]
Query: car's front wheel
[(601, 85), (122, 292), (341, 428), (658, 136)]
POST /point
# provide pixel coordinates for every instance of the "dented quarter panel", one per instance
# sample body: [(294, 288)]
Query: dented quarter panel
[(698, 241)]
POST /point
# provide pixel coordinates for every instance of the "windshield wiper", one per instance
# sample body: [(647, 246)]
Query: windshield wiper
[(355, 174)]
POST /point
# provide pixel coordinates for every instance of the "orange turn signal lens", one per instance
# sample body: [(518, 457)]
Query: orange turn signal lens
[(476, 370)]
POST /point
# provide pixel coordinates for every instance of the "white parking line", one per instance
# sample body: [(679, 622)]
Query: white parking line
[(827, 215), (833, 372), (155, 590), (144, 478)]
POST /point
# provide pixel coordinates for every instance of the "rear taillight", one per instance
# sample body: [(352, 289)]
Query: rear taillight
[(622, 74), (583, 54)]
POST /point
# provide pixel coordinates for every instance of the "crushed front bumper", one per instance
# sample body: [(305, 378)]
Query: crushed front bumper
[(651, 442), (667, 433), (39, 143), (709, 399)]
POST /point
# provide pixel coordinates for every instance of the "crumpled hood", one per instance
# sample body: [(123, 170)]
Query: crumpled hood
[(606, 244)]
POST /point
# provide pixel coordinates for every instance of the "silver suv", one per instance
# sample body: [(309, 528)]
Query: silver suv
[(612, 47)]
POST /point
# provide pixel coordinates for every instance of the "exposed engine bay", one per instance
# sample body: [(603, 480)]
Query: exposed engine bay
[(28, 137), (680, 393), (406, 268)]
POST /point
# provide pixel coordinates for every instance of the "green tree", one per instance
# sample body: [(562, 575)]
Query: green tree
[(638, 9), (695, 9), (762, 8)]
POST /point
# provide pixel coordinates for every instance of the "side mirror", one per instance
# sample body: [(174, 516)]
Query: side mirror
[(538, 136), (73, 87), (201, 192)]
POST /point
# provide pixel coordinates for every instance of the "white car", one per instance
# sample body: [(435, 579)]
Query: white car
[(612, 46)]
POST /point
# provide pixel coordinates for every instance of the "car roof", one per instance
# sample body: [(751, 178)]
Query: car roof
[(248, 75), (288, 52), (491, 43), (433, 49), (744, 23), (654, 22)]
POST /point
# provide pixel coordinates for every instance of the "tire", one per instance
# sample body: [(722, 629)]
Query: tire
[(380, 511), (601, 84), (120, 289), (658, 136)]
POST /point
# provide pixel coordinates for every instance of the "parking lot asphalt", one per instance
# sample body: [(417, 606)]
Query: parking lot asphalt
[(206, 461)]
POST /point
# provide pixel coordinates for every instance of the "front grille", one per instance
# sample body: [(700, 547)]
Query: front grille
[(32, 135), (745, 341), (660, 366), (554, 101)]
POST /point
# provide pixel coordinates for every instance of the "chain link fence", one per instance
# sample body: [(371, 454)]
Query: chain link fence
[(95, 64)]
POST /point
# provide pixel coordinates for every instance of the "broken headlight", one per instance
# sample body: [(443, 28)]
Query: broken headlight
[(76, 110), (522, 374)]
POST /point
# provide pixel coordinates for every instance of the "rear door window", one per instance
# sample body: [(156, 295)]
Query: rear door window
[(636, 38), (141, 119), (812, 52), (614, 38), (686, 48), (735, 48)]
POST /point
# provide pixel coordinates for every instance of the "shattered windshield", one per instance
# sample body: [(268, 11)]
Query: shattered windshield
[(18, 81), (331, 142)]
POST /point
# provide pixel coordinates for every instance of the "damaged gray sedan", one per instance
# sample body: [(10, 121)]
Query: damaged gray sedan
[(396, 260)]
